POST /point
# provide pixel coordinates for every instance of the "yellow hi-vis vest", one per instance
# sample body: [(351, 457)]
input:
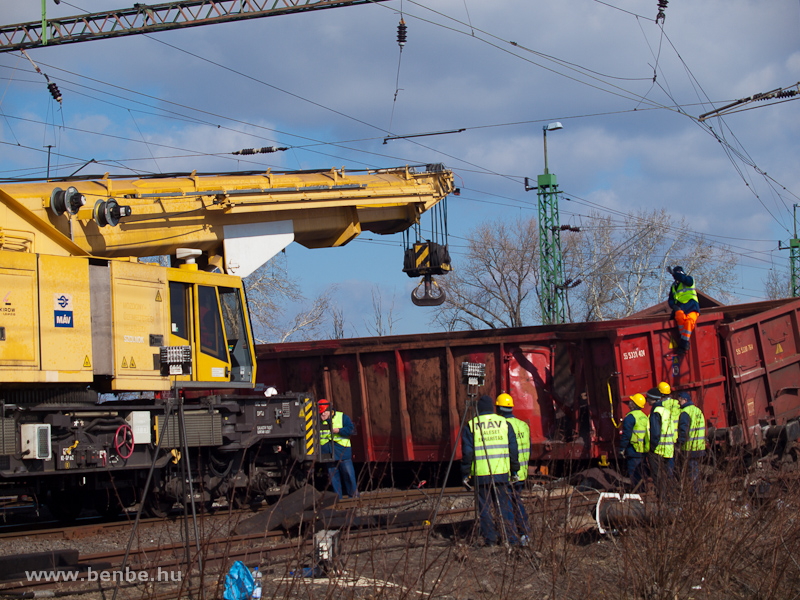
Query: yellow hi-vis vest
[(683, 294), (674, 408), (337, 422), (640, 438), (523, 433), (697, 430), (490, 436), (669, 435)]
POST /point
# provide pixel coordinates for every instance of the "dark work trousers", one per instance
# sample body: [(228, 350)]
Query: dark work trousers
[(637, 471), (690, 471), (488, 494), (662, 470), (520, 514)]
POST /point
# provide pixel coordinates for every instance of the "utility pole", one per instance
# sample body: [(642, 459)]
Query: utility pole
[(553, 289), (794, 258)]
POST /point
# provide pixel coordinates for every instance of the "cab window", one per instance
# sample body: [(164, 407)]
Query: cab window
[(212, 338), (179, 309), (236, 333)]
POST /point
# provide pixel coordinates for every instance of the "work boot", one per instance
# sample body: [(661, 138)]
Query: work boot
[(683, 346)]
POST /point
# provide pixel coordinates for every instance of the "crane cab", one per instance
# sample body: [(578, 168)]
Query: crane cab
[(206, 312), (101, 325)]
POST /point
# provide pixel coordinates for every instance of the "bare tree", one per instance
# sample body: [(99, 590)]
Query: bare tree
[(270, 293), (383, 319), (309, 322), (622, 265), (496, 284), (337, 322), (778, 284)]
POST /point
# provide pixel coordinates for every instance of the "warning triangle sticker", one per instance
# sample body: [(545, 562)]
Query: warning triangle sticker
[(158, 296), (133, 364), (124, 363), (779, 349), (671, 343), (86, 363)]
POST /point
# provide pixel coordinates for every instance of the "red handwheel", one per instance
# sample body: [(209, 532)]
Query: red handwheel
[(123, 441)]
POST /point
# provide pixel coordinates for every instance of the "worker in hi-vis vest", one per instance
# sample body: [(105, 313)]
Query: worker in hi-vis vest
[(505, 408), (334, 439), (490, 456), (691, 439), (663, 436), (684, 304), (635, 441)]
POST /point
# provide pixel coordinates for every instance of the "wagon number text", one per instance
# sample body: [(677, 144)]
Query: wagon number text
[(633, 354), (743, 349)]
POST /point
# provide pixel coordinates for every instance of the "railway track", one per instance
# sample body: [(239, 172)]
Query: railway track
[(97, 526), (221, 549), (171, 558)]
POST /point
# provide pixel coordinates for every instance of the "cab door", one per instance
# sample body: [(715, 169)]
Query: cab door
[(212, 359), (207, 313), (181, 303)]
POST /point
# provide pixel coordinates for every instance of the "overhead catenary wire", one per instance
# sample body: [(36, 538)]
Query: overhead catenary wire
[(470, 24), (279, 88)]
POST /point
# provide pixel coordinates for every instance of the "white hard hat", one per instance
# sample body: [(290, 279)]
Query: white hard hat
[(270, 391)]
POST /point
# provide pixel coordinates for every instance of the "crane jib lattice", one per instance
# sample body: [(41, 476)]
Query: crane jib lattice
[(144, 18)]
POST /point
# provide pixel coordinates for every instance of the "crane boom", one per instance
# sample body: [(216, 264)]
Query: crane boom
[(143, 18), (71, 277), (245, 217)]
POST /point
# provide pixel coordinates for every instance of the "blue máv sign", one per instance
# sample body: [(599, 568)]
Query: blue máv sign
[(62, 309)]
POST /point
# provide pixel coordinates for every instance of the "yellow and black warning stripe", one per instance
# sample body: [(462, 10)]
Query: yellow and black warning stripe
[(422, 255), (309, 413)]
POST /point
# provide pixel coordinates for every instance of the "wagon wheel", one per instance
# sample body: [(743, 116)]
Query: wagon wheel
[(66, 506), (241, 499), (157, 505), (107, 503)]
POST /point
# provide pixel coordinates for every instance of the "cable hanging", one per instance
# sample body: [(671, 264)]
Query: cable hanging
[(51, 86), (402, 33)]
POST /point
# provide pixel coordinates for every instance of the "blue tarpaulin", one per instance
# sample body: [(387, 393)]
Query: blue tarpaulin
[(238, 582)]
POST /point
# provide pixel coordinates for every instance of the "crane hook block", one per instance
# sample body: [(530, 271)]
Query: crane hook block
[(426, 258), (428, 293)]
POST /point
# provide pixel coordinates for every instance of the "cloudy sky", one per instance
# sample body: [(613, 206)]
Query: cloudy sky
[(331, 84)]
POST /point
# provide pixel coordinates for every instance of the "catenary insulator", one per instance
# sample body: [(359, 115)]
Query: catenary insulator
[(402, 29), (54, 91), (662, 6)]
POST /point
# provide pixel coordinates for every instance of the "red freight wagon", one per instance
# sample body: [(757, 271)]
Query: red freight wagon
[(407, 400), (764, 352)]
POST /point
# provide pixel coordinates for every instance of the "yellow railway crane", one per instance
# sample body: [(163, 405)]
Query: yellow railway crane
[(81, 314)]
